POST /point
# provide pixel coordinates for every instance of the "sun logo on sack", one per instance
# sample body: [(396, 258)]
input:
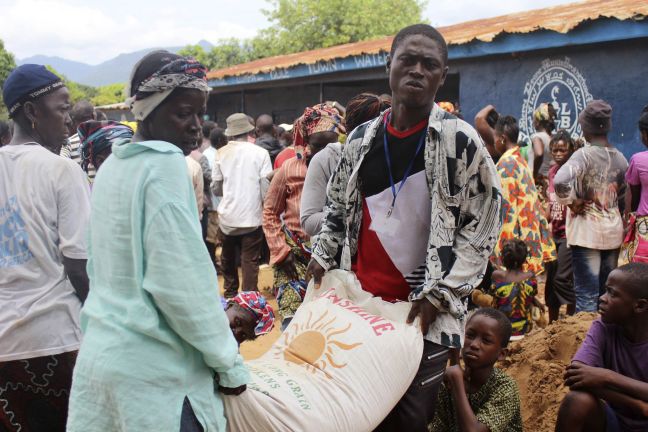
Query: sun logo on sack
[(311, 344)]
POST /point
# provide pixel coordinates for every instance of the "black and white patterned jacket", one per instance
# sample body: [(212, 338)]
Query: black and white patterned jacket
[(465, 194)]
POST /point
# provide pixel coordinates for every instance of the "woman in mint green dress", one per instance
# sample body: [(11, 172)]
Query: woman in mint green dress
[(157, 347)]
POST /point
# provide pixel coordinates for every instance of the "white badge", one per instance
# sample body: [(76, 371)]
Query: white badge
[(384, 223)]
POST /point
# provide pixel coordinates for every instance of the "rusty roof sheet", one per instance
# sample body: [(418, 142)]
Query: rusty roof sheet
[(561, 19)]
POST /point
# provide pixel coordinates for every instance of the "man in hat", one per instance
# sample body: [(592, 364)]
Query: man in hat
[(44, 212), (592, 184), (240, 178)]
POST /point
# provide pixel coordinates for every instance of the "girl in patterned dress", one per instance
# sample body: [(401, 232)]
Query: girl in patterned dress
[(514, 288)]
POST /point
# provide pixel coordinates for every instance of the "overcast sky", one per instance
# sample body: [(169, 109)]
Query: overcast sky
[(92, 31)]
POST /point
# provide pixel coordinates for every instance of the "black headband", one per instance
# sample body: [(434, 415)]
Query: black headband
[(35, 94)]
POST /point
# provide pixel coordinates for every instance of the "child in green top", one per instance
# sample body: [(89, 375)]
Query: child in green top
[(480, 397)]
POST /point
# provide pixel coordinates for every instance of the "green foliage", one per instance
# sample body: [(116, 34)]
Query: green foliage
[(7, 64), (80, 91), (301, 25), (229, 52), (197, 52), (225, 53), (109, 94), (77, 91)]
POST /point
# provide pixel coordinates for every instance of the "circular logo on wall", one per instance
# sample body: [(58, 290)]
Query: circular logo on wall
[(557, 82)]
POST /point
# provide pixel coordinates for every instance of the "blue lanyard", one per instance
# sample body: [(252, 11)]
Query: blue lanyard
[(389, 167)]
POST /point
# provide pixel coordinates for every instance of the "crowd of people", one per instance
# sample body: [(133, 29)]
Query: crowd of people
[(112, 236)]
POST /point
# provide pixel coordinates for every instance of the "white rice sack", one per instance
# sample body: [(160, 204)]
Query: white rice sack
[(342, 364)]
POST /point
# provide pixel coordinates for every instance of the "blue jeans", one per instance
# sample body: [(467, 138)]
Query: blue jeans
[(591, 270)]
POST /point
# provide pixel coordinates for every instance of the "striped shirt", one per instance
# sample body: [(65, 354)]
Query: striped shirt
[(72, 150), (284, 197)]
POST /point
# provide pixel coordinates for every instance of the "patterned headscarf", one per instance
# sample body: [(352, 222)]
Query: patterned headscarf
[(447, 107), (183, 72), (318, 118), (254, 302), (97, 136), (543, 113)]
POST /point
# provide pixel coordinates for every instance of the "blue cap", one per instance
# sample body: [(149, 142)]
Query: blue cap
[(28, 82)]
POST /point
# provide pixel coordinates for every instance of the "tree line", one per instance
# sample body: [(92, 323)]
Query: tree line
[(295, 26), (302, 25)]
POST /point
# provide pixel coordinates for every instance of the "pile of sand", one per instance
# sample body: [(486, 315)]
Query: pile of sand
[(538, 363)]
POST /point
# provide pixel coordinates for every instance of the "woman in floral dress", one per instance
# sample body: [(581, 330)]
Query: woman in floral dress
[(523, 216)]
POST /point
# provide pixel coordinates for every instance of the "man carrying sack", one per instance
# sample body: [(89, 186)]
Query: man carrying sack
[(414, 204)]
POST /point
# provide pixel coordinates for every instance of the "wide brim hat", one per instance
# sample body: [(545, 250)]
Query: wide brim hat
[(238, 124)]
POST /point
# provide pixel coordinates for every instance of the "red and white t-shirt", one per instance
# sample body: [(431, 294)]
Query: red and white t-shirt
[(392, 249)]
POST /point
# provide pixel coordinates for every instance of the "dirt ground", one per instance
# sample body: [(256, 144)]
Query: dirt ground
[(537, 364)]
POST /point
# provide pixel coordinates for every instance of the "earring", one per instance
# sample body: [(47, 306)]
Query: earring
[(33, 125)]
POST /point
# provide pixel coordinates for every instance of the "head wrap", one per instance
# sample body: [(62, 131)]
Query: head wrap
[(596, 118), (255, 303), (97, 136), (643, 119), (177, 72), (447, 106), (543, 113), (28, 82), (318, 118)]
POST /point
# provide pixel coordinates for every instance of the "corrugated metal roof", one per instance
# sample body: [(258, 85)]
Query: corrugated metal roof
[(561, 19)]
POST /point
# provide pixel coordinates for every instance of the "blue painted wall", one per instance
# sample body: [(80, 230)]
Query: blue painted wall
[(601, 30), (610, 56), (616, 72)]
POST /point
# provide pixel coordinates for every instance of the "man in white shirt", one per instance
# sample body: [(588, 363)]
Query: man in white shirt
[(240, 177)]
